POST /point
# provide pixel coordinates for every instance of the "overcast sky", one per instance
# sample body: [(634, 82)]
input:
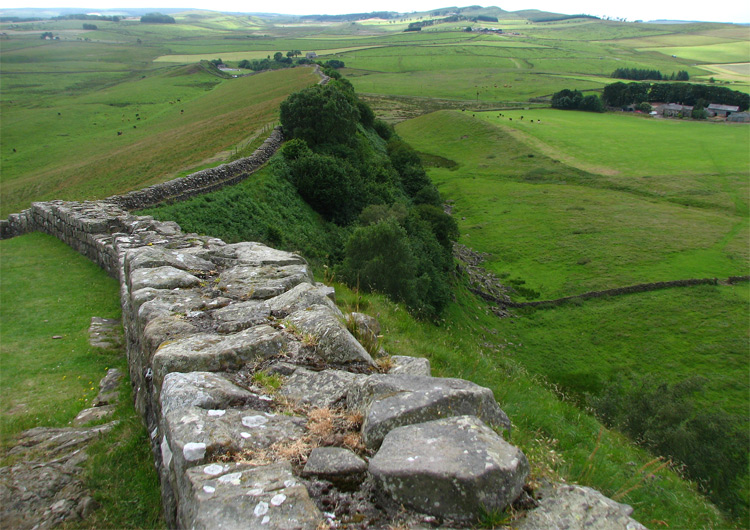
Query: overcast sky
[(737, 11)]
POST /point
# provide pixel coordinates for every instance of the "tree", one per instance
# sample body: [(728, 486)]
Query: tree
[(379, 257), (157, 18), (278, 56), (46, 35), (321, 114), (89, 26)]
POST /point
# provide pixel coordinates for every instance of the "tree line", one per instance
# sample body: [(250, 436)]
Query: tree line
[(624, 94), (638, 74)]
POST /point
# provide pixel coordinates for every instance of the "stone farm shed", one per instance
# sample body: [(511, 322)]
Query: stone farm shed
[(721, 111), (675, 109), (739, 117)]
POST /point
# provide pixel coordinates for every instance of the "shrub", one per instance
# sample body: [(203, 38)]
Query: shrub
[(378, 257)]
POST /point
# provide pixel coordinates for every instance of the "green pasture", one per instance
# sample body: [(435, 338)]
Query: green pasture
[(726, 52), (670, 335), (47, 381), (48, 294), (171, 120), (502, 85), (249, 55), (674, 146), (565, 231)]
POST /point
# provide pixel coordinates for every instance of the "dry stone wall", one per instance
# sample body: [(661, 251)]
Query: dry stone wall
[(207, 324), (264, 411), (262, 408)]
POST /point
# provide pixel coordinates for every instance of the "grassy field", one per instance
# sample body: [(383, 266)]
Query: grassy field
[(565, 231), (70, 147), (566, 204), (47, 381)]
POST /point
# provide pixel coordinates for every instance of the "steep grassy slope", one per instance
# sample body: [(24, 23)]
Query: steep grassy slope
[(134, 133)]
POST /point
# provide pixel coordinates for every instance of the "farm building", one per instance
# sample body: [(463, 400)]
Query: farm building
[(721, 111), (311, 55), (675, 109), (739, 117)]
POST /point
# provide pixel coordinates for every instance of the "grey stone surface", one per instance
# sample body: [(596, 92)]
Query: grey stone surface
[(205, 390), (389, 401), (451, 468), (246, 282), (152, 257), (234, 496), (255, 255), (93, 414), (328, 388), (43, 489), (403, 364), (334, 342), (208, 352), (105, 333), (196, 435), (302, 296), (241, 315), (337, 464), (366, 325), (162, 278), (162, 329), (165, 303), (571, 507), (108, 392)]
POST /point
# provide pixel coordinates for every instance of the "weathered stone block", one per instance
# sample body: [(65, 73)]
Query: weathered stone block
[(334, 342), (406, 365), (336, 464), (161, 278), (205, 390), (389, 401), (233, 496), (196, 435), (208, 352), (241, 315), (328, 388), (452, 468), (152, 257), (302, 296), (249, 282), (254, 254)]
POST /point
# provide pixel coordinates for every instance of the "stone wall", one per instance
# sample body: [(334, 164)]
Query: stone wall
[(617, 291), (203, 319), (201, 181), (265, 411)]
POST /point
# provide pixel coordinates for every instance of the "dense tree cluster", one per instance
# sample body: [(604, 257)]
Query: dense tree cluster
[(575, 100), (637, 74), (357, 173), (623, 94), (90, 26), (279, 60), (157, 18)]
